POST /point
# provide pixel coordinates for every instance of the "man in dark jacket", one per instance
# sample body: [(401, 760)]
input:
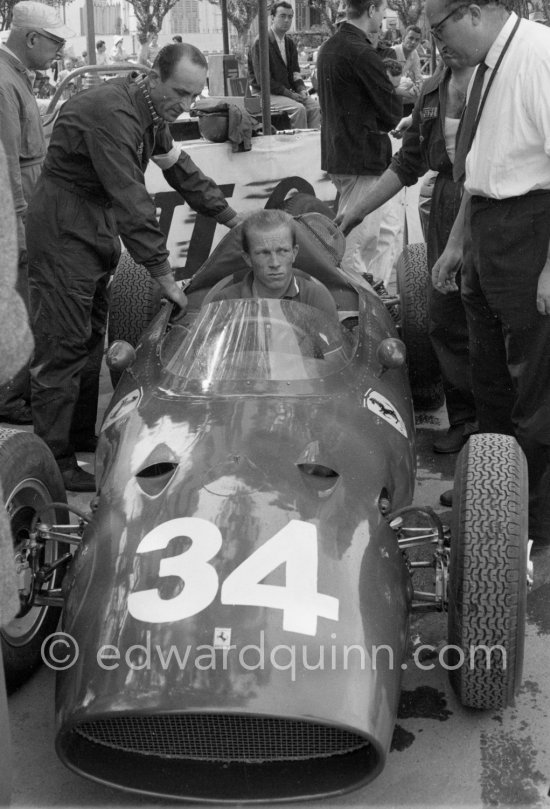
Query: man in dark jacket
[(92, 191), (287, 88), (359, 106)]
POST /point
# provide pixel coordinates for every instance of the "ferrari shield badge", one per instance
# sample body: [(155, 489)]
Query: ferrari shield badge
[(383, 408)]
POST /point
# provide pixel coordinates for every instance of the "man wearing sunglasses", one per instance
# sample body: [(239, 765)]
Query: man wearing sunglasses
[(36, 37), (504, 150)]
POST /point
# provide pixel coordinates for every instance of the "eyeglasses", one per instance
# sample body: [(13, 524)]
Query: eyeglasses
[(59, 42), (436, 29)]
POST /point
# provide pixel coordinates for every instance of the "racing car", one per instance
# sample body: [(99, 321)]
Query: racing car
[(236, 605)]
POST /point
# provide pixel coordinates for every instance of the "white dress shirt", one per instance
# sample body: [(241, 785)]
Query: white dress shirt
[(510, 153), (281, 43)]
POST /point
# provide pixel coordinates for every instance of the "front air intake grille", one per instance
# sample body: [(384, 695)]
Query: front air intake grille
[(221, 737)]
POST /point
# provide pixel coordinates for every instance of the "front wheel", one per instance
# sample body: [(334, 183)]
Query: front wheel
[(30, 481), (488, 572)]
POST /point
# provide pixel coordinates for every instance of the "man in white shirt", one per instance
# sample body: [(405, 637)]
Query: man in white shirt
[(407, 55), (118, 54), (505, 224)]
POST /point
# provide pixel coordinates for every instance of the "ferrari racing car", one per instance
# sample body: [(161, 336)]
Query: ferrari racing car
[(237, 602)]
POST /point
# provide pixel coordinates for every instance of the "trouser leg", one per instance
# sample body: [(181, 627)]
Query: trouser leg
[(510, 339), (85, 411), (17, 391), (295, 110), (68, 269), (313, 112), (390, 238), (449, 338), (362, 242)]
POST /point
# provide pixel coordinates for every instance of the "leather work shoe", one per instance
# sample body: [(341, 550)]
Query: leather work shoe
[(76, 479), (86, 444), (20, 414), (446, 499), (453, 440)]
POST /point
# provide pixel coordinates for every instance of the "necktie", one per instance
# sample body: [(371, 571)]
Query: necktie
[(466, 130)]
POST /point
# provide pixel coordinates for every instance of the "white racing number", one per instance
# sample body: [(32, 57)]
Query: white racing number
[(295, 546)]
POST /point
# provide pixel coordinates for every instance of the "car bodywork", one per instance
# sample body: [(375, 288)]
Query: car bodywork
[(246, 468), (236, 614)]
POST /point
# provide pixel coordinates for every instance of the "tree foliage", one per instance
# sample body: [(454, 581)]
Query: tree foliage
[(241, 14), (329, 11), (149, 15), (409, 12)]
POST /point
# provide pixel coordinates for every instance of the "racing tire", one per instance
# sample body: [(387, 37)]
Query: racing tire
[(412, 286), (135, 300), (30, 480), (488, 572)]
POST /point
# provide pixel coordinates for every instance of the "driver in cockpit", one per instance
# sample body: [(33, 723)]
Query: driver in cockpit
[(269, 248)]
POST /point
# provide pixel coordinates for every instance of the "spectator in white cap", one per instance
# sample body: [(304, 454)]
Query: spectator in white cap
[(35, 40), (118, 54)]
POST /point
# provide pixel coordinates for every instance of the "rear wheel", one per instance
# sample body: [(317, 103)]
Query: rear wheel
[(488, 571), (135, 300), (412, 284), (30, 481)]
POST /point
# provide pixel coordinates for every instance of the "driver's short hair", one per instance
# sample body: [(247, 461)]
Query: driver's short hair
[(269, 219)]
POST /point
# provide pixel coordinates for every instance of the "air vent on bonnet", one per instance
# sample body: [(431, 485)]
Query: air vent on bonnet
[(154, 478), (219, 757)]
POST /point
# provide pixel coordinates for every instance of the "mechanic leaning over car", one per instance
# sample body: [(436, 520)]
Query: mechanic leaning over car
[(36, 37), (92, 191), (429, 143)]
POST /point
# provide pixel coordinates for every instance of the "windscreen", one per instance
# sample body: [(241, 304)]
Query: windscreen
[(259, 340)]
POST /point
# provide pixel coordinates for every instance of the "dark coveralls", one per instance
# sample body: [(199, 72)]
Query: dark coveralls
[(91, 191), (424, 148)]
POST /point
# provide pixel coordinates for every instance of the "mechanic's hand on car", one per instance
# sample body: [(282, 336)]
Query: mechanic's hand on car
[(172, 290), (543, 290), (402, 127), (445, 269), (349, 219)]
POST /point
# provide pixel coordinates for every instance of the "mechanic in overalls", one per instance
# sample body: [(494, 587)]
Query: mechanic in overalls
[(429, 143), (92, 191)]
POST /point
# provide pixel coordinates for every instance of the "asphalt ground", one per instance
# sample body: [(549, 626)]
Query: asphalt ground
[(442, 754)]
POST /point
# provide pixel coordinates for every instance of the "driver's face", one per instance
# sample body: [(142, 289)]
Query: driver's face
[(271, 255)]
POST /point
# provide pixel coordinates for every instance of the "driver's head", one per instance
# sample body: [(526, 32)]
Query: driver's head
[(269, 249)]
